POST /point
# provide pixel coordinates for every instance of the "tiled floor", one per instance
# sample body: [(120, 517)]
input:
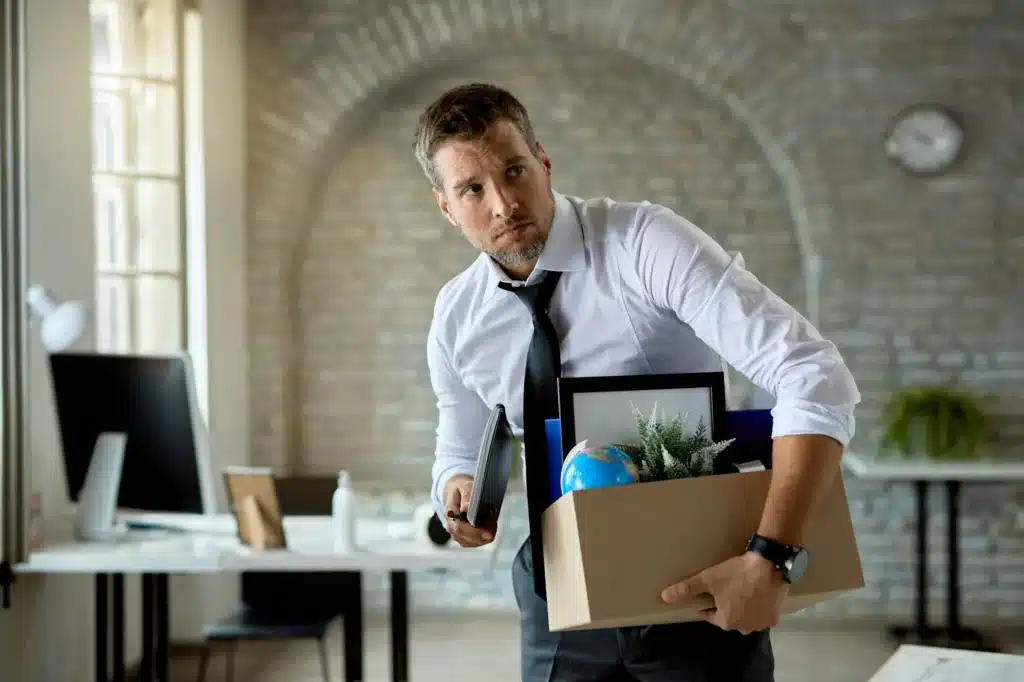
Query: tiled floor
[(454, 649)]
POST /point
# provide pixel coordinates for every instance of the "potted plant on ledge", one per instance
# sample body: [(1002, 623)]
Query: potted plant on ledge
[(934, 422)]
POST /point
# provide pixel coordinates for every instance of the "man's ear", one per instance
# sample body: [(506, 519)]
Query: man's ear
[(442, 203), (543, 157)]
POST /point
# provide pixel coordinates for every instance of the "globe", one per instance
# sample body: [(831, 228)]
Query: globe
[(597, 467)]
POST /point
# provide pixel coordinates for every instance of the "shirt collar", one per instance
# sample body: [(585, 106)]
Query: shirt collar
[(564, 251)]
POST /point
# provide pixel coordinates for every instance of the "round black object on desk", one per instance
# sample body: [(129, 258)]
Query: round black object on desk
[(437, 532)]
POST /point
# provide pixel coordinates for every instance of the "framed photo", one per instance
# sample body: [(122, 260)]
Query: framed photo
[(252, 494), (600, 408)]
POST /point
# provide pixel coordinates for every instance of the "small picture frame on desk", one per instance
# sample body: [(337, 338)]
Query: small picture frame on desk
[(252, 493)]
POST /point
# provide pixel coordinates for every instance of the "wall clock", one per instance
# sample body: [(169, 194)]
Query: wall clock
[(925, 139)]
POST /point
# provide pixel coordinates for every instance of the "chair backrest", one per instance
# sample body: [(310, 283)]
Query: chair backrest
[(312, 594), (305, 495)]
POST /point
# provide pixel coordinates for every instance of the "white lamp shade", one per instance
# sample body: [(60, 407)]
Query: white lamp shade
[(61, 324)]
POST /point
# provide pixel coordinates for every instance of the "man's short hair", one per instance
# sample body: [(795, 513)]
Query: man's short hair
[(465, 112)]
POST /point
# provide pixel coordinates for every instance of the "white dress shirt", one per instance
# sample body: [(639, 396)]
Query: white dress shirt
[(642, 291)]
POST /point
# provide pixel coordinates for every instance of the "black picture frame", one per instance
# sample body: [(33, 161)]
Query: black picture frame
[(713, 383)]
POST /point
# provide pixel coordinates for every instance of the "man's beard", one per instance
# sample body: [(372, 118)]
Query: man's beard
[(524, 255)]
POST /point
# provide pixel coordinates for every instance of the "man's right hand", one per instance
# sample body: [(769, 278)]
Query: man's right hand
[(456, 501)]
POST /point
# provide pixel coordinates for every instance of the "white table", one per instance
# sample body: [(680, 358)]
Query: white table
[(912, 663), (192, 544), (921, 473)]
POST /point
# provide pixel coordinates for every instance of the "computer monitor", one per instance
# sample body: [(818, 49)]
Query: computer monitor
[(132, 437)]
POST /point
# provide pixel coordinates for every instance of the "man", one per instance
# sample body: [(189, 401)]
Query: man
[(638, 289)]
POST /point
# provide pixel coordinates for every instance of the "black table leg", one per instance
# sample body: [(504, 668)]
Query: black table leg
[(118, 609), (101, 598), (919, 630), (956, 635), (399, 626), (155, 628), (921, 582), (163, 627), (146, 664), (109, 635), (952, 635), (953, 555), (352, 632)]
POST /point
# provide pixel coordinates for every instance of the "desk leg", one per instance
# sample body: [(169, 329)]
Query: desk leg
[(956, 636), (919, 631), (353, 625), (118, 608), (399, 626), (155, 630), (952, 635), (101, 597), (163, 633), (146, 664), (109, 627)]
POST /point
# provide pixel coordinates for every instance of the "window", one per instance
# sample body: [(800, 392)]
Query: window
[(139, 169)]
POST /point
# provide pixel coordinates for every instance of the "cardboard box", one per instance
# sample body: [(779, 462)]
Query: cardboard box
[(609, 552)]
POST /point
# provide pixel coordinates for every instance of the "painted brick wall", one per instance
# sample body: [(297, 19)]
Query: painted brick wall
[(761, 121)]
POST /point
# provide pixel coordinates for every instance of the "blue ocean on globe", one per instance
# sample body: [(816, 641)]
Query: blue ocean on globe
[(597, 467)]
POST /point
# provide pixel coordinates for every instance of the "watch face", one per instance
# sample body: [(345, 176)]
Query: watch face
[(798, 565)]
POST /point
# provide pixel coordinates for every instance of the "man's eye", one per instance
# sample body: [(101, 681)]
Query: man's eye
[(516, 171), (471, 189)]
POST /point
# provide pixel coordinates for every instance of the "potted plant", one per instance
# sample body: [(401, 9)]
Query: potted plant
[(937, 422), (665, 450)]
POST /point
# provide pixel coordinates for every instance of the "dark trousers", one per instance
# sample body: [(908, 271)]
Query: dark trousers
[(683, 652)]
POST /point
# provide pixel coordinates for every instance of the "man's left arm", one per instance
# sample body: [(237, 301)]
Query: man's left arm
[(767, 340), (803, 466)]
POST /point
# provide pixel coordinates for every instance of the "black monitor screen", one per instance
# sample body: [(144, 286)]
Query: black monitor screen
[(146, 398)]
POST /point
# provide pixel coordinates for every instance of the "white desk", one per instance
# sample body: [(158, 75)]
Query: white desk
[(921, 473), (935, 664), (914, 470), (208, 544)]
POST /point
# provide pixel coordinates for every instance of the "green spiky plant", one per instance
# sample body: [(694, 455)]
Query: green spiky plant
[(934, 422), (665, 451)]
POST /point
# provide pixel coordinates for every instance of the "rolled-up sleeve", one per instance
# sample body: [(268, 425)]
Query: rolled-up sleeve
[(751, 327), (462, 418)]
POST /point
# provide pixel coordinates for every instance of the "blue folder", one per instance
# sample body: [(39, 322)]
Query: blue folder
[(553, 429), (752, 430)]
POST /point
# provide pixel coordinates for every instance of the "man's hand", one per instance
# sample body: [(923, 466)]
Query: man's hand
[(748, 593), (456, 501)]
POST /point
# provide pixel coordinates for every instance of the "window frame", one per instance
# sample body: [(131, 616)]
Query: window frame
[(13, 305), (124, 83)]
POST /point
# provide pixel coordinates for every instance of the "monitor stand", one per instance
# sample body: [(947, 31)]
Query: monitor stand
[(97, 503)]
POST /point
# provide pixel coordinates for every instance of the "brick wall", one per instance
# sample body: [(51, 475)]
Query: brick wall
[(761, 121)]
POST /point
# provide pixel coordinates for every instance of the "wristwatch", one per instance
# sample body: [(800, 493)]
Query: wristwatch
[(789, 560)]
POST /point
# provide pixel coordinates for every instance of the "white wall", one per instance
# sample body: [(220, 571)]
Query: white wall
[(59, 212), (47, 635)]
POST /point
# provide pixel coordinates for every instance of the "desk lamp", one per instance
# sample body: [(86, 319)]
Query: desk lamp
[(61, 322)]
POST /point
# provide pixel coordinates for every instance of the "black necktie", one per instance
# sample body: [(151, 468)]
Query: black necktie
[(540, 402)]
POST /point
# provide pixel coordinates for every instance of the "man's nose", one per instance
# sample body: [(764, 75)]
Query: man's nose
[(505, 205)]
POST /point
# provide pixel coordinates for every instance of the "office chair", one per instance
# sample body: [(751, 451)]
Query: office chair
[(292, 605)]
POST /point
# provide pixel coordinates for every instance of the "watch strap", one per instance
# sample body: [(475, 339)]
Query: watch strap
[(777, 553)]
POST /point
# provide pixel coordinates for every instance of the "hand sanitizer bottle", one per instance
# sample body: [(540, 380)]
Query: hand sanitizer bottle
[(344, 514)]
